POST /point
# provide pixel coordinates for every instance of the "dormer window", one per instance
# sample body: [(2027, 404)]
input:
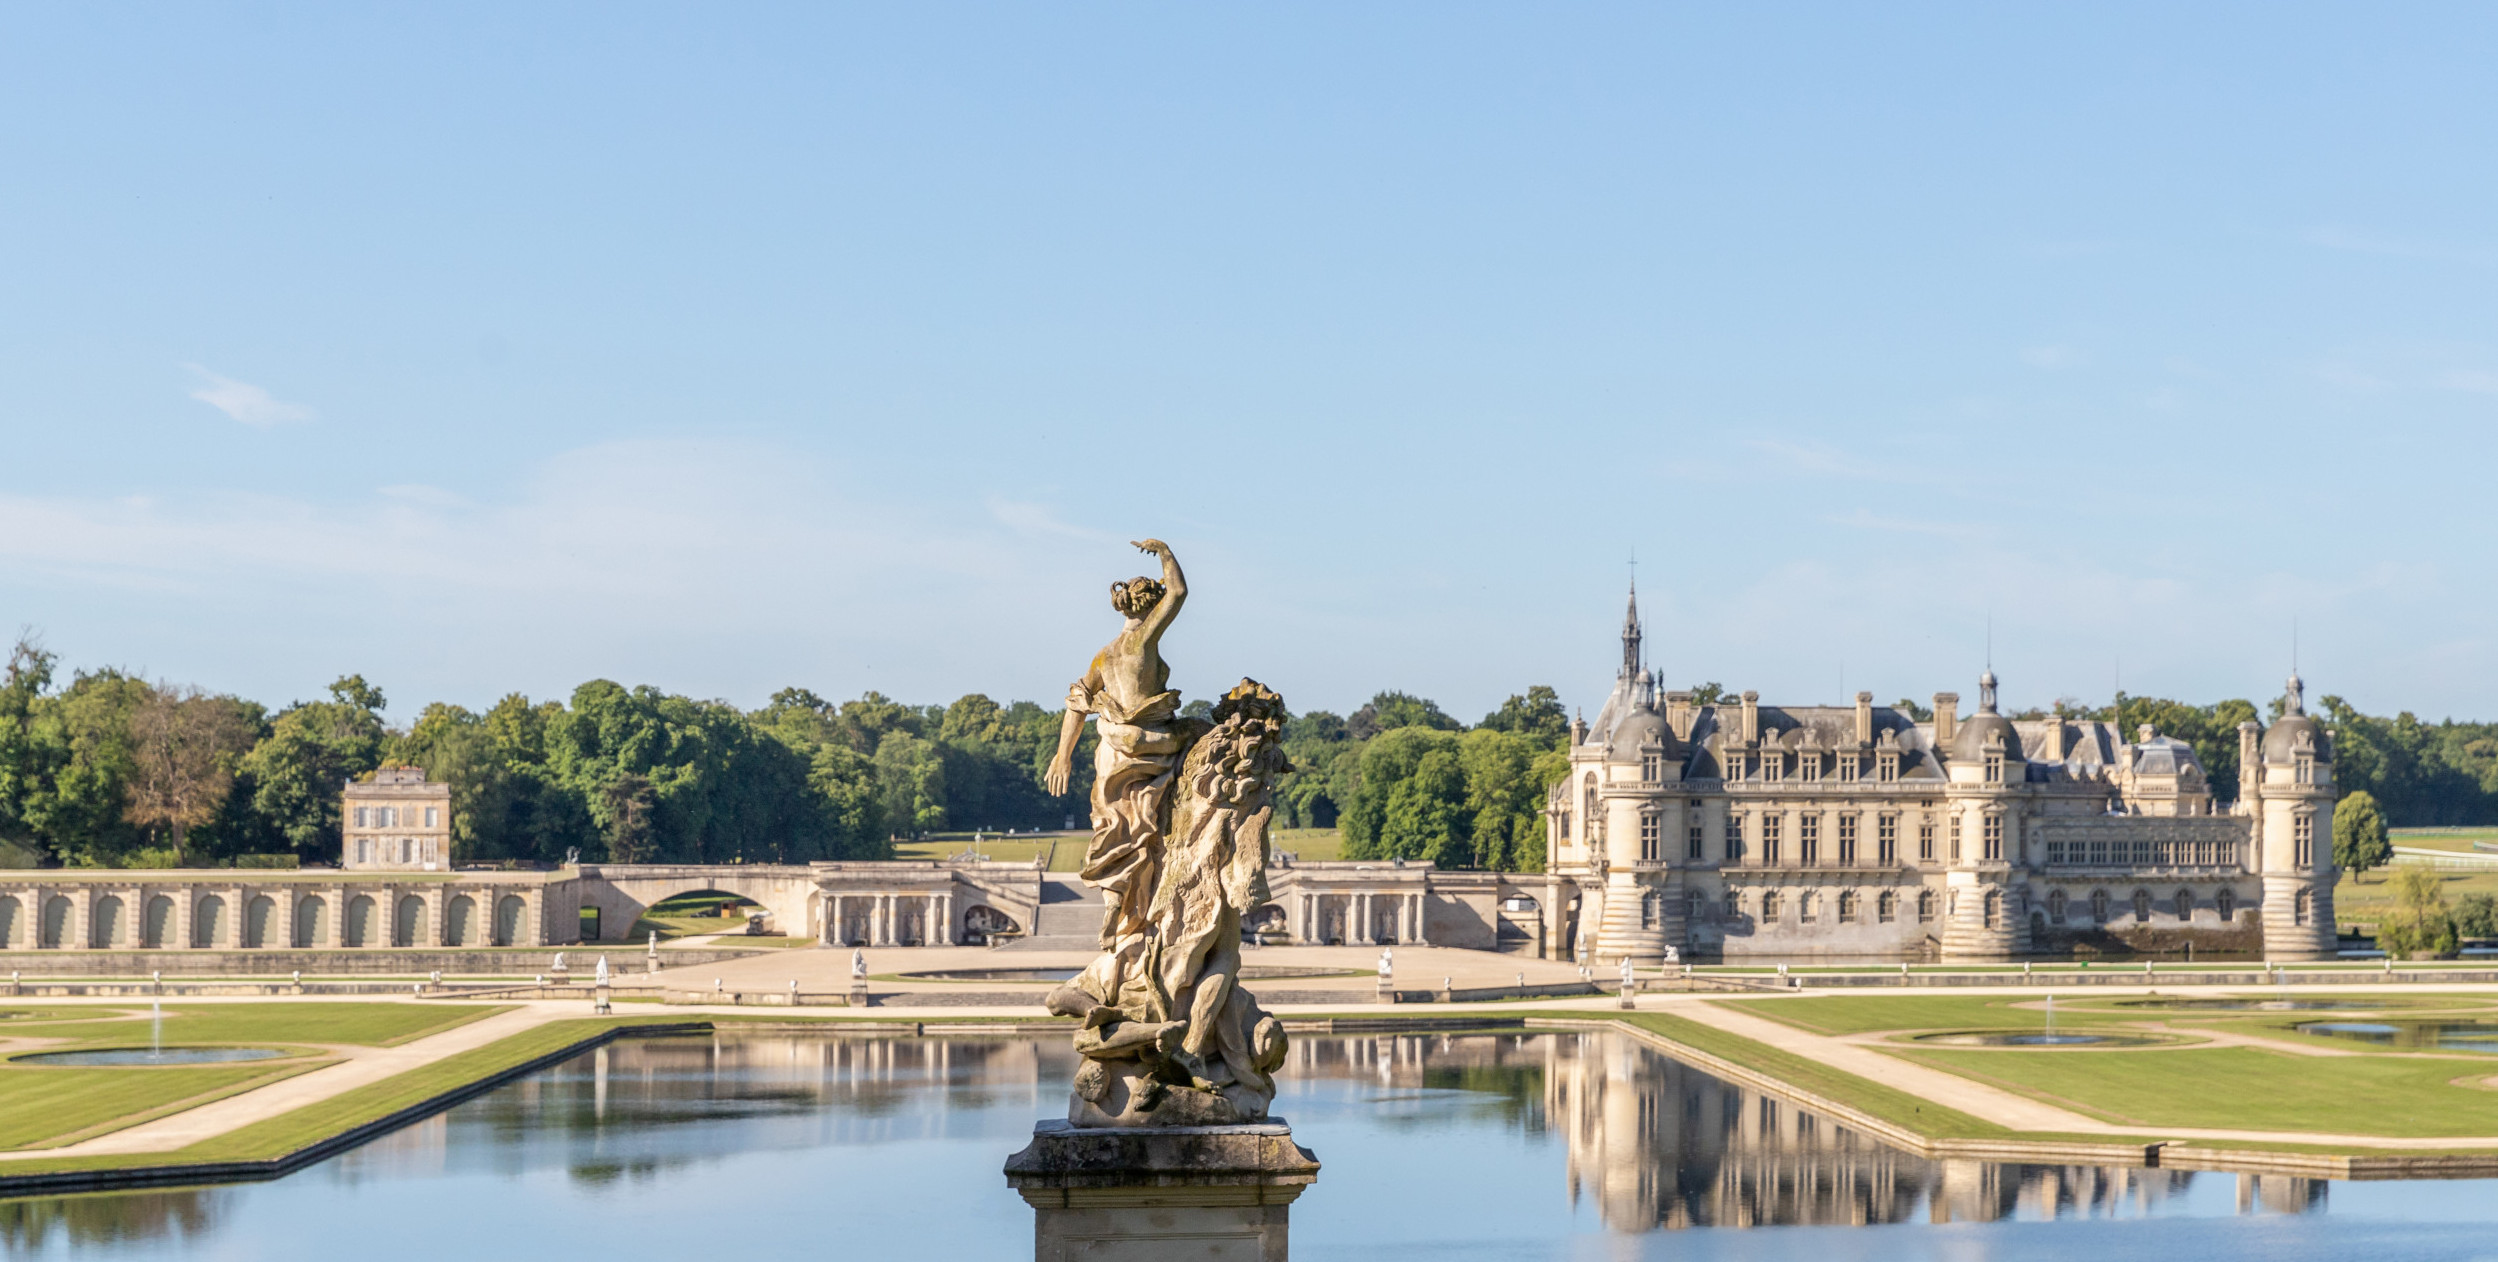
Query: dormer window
[(1847, 768), (1886, 766), (1649, 765), (1810, 765), (2304, 768), (1994, 766)]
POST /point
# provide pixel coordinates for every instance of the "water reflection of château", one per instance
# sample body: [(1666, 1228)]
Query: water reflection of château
[(1660, 1145)]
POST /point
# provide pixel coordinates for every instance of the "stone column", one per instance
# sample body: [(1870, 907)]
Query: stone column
[(232, 937), (1198, 1191), (81, 915), (832, 921), (437, 918), (1421, 934), (178, 926), (941, 920)]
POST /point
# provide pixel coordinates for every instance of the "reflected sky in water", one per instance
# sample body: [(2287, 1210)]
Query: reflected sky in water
[(1542, 1146)]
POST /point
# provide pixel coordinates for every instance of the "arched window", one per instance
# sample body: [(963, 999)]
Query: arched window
[(2185, 904), (2226, 903), (1993, 908), (1650, 909), (2301, 908), (2142, 906), (1769, 906), (1588, 832), (1887, 907), (1925, 906), (1847, 907), (1734, 905), (2055, 906), (1807, 906), (1695, 905), (2098, 907)]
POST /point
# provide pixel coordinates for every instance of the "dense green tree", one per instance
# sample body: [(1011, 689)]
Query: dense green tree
[(184, 747), (1536, 715), (2359, 838), (2422, 774), (2420, 926), (299, 769), (910, 778), (1391, 710)]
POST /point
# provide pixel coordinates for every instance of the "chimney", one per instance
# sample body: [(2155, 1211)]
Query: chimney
[(2250, 764), (1751, 716), (2055, 738), (1678, 714), (1946, 716), (1864, 718)]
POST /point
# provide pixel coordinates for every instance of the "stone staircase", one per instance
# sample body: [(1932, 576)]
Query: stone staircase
[(1070, 919)]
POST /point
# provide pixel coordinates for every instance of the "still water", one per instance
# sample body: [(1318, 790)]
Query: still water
[(1534, 1146)]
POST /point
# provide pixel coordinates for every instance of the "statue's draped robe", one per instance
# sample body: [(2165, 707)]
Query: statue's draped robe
[(1135, 763)]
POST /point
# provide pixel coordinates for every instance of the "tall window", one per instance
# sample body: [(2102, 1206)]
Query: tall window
[(2185, 904), (1770, 840), (1808, 839), (2226, 903), (1807, 906), (1590, 811), (1810, 765), (1887, 907), (1925, 839), (364, 850), (1695, 905), (1847, 842), (1695, 848), (2301, 908), (1773, 764), (2303, 840), (1769, 906), (2304, 768), (1651, 843), (2099, 907), (433, 817), (360, 816), (1564, 816), (1734, 837), (2142, 906), (1730, 763), (1955, 826), (1734, 905), (1847, 774), (1886, 767), (1925, 906), (1887, 840), (1994, 836), (2055, 906), (1847, 907), (1994, 766), (1648, 766)]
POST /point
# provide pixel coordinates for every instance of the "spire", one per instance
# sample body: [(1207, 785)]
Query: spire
[(1630, 635)]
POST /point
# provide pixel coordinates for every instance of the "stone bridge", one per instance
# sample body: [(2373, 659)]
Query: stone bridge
[(883, 903)]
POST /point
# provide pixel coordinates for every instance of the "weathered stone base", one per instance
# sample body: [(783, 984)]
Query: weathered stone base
[(1214, 1192)]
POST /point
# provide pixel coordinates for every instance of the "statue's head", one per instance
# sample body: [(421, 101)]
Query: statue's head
[(1136, 597)]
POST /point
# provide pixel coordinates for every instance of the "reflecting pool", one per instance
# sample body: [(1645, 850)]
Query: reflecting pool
[(151, 1056), (1475, 1147), (2443, 1036)]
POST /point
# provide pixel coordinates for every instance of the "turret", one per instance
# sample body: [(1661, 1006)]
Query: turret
[(2293, 828)]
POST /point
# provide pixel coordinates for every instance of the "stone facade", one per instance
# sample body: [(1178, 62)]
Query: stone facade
[(1741, 829), (397, 821)]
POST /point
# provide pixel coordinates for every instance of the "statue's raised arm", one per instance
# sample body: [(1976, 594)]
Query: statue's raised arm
[(1174, 591)]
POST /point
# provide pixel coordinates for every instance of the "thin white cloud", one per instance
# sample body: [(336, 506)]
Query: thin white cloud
[(246, 402)]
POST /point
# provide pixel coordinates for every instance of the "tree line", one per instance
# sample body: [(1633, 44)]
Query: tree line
[(109, 769), (1404, 780)]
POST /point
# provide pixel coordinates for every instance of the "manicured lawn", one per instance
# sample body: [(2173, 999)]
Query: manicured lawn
[(363, 1024), (2243, 1088), (1891, 1105), (43, 1107), (1865, 1014), (2362, 901)]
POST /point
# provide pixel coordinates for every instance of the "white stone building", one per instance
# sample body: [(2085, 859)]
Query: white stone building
[(1742, 829), (397, 821)]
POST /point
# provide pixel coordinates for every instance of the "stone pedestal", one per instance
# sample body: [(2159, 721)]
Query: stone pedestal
[(1221, 1193)]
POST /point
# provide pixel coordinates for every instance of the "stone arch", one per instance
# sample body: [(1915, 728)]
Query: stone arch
[(260, 921), (1925, 906), (105, 930), (2184, 903), (310, 911), (459, 922), (11, 912), (1886, 907), (356, 928), (2056, 903), (407, 921), (156, 923), (509, 911), (2226, 903), (2142, 907), (1847, 907), (55, 926), (208, 921), (2099, 907), (981, 920)]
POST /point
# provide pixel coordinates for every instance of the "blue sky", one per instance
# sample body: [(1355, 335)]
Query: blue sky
[(492, 348)]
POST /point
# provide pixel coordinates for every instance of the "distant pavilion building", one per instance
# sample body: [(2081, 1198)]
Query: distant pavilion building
[(397, 821)]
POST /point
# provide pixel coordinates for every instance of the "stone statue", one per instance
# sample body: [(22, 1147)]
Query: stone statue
[(1179, 851), (602, 970), (1387, 964), (858, 964)]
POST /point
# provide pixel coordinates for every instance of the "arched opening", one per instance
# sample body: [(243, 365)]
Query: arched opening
[(359, 922), (459, 922), (106, 931), (1925, 906), (1807, 907), (1769, 907), (2226, 903), (2142, 907), (208, 921), (1886, 907), (407, 923), (156, 924), (2185, 904), (8, 921), (1734, 905), (56, 921), (508, 913), (697, 913), (1993, 909), (309, 915), (1847, 907), (258, 920), (981, 920), (2055, 906)]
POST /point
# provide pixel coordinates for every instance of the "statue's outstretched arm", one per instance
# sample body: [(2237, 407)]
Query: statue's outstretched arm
[(1174, 590), (1062, 763)]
